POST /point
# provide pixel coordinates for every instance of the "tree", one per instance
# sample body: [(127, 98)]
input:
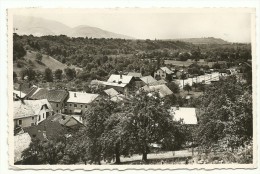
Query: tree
[(115, 139), (44, 152), (58, 74), (173, 87), (70, 73), (18, 50), (94, 120), (149, 122), (187, 87), (48, 75), (28, 73), (225, 114), (39, 57)]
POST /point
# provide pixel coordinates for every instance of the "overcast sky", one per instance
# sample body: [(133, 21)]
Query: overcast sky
[(233, 26)]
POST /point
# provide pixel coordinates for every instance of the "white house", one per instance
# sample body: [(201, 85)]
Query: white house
[(78, 102), (163, 72), (31, 112)]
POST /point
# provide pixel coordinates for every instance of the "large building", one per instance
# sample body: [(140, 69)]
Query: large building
[(121, 83), (78, 102), (162, 90), (31, 112), (163, 73), (57, 98)]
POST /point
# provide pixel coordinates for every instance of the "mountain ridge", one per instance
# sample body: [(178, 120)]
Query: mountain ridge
[(27, 25)]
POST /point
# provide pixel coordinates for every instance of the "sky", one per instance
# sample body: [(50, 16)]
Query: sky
[(233, 26)]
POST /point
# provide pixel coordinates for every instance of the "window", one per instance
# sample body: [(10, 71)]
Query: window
[(70, 111), (57, 105), (65, 104), (70, 104), (81, 106), (43, 115), (75, 105), (47, 114), (20, 122), (32, 118), (57, 111), (39, 118)]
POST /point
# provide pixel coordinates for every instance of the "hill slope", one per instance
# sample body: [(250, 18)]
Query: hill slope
[(41, 27), (47, 62), (208, 40)]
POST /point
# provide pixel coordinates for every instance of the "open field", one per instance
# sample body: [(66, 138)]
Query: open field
[(47, 62), (186, 63)]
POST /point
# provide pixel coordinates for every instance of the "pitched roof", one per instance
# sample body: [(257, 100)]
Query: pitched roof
[(115, 84), (135, 74), (187, 114), (29, 108), (148, 79), (53, 95), (167, 70), (163, 90), (114, 78), (53, 127), (80, 97), (111, 92), (30, 91), (159, 82), (21, 142)]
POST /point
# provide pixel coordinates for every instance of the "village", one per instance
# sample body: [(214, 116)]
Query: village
[(44, 113)]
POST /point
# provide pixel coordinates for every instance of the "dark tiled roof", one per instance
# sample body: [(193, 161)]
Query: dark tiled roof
[(29, 91), (54, 126), (51, 95)]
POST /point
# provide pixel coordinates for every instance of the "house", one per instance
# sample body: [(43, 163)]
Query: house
[(24, 91), (57, 98), (163, 73), (147, 80), (163, 90), (187, 115), (21, 142), (121, 83), (31, 112), (54, 127), (78, 102), (111, 92), (114, 95)]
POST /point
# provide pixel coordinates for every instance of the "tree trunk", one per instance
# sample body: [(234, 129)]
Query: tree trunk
[(144, 157), (117, 153), (118, 158)]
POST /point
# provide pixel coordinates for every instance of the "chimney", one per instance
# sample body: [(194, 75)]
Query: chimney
[(75, 94), (121, 76)]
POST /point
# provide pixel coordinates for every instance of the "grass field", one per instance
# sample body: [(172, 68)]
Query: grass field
[(47, 62)]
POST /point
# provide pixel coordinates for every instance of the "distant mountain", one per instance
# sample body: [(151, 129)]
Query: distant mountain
[(204, 40), (83, 31), (40, 27)]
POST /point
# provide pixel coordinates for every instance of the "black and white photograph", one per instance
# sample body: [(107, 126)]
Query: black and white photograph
[(126, 87)]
